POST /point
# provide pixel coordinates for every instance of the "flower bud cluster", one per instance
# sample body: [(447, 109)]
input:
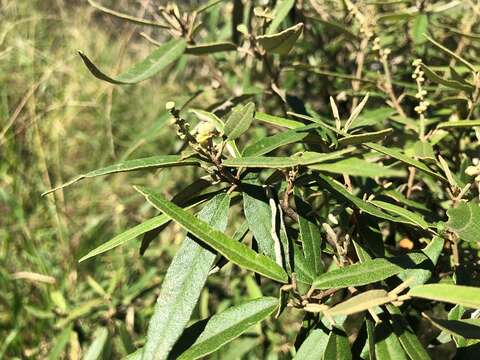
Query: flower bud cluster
[(418, 76), (383, 52)]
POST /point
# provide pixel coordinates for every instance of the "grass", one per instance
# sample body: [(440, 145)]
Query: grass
[(57, 121)]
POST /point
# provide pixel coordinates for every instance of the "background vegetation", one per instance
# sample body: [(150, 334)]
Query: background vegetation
[(58, 121)]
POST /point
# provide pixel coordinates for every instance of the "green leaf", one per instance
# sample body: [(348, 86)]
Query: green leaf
[(259, 218), (367, 272), (365, 206), (397, 154), (358, 303), (205, 49), (229, 324), (313, 346), (458, 124), (370, 345), (270, 143), (282, 42), (365, 137), (452, 54), (234, 251), (183, 284), (338, 346), (159, 59), (130, 234), (152, 162), (304, 271), (357, 167), (95, 350), (410, 342), (464, 221), (419, 27), (402, 199), (467, 296), (408, 215), (432, 251), (280, 12), (275, 162), (279, 121), (467, 328), (239, 121), (387, 345), (309, 234), (453, 84)]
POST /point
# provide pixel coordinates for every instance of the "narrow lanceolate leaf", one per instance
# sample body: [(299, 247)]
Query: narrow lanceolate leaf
[(397, 154), (282, 42), (270, 143), (467, 328), (464, 220), (451, 54), (280, 12), (467, 296), (367, 272), (234, 251), (365, 137), (357, 167), (411, 216), (309, 234), (160, 58), (130, 234), (132, 165), (359, 203), (453, 84), (239, 121), (305, 159), (229, 324), (410, 342), (205, 49), (95, 350), (183, 284), (361, 302), (338, 346), (387, 344), (313, 346), (258, 214), (458, 124), (278, 121)]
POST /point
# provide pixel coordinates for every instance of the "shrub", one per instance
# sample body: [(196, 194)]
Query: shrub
[(341, 137)]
